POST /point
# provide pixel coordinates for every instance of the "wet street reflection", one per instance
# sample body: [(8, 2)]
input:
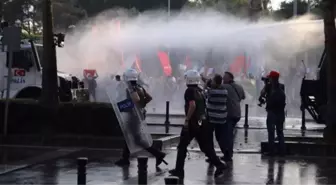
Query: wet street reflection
[(245, 169)]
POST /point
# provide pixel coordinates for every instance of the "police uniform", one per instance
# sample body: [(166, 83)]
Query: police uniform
[(134, 87), (195, 130)]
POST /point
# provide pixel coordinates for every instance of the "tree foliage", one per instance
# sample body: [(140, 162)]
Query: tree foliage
[(287, 8)]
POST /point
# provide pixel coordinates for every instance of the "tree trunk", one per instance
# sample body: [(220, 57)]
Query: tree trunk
[(49, 97), (330, 45)]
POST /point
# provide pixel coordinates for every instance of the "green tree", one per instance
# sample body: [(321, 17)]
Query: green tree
[(286, 9)]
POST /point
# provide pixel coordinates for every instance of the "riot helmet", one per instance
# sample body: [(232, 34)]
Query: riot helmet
[(130, 75), (192, 77)]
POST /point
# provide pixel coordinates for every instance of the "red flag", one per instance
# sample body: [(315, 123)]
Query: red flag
[(165, 63), (19, 72), (90, 72)]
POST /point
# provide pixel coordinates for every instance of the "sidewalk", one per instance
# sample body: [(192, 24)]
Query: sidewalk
[(253, 122), (246, 169)]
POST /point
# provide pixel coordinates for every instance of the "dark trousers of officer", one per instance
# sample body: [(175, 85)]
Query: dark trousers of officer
[(138, 140), (187, 135), (275, 122), (156, 153)]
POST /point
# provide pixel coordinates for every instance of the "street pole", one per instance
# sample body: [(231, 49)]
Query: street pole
[(168, 52), (12, 39), (168, 8), (308, 6), (295, 6), (9, 80)]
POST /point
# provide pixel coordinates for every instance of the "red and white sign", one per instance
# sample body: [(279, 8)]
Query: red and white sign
[(19, 72), (89, 72)]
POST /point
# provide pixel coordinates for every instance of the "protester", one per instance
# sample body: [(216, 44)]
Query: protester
[(91, 83), (235, 95), (217, 112), (275, 107)]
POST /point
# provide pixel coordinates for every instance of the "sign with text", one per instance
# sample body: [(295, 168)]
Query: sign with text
[(125, 105), (18, 80)]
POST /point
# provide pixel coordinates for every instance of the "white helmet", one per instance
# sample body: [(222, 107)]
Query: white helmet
[(131, 75), (192, 77)]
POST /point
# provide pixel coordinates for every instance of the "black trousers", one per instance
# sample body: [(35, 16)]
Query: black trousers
[(201, 135), (140, 142), (156, 153)]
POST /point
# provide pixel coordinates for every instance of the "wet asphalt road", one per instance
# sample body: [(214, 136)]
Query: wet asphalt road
[(245, 169), (248, 166)]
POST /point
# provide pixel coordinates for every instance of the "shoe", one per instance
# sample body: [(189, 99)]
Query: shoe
[(226, 159), (176, 173), (122, 162), (219, 172), (160, 160)]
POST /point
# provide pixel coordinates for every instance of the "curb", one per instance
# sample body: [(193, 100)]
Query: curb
[(238, 127), (82, 142)]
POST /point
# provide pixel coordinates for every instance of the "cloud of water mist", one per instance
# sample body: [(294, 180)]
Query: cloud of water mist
[(100, 42)]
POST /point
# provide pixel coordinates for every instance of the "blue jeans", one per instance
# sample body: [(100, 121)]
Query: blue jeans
[(275, 122)]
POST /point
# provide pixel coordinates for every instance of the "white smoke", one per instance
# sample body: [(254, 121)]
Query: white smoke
[(269, 43), (198, 30)]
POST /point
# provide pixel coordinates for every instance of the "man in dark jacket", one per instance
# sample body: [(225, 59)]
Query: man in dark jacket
[(275, 107)]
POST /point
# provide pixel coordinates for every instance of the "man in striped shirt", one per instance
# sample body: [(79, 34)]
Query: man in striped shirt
[(217, 111)]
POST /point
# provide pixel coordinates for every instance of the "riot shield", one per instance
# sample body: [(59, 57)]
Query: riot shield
[(131, 120)]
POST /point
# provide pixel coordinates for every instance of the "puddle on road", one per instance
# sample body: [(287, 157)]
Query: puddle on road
[(16, 157)]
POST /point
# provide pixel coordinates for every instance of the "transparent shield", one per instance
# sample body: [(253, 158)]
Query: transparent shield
[(131, 120)]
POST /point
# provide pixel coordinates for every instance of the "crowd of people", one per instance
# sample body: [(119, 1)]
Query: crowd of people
[(212, 106)]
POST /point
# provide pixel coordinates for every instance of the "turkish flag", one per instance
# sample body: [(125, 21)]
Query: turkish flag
[(19, 72), (90, 72)]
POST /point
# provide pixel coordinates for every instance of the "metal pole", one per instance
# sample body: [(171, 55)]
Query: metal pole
[(246, 116), (295, 6), (167, 122), (81, 170), (246, 135), (9, 79), (142, 170), (168, 8), (172, 180), (303, 119)]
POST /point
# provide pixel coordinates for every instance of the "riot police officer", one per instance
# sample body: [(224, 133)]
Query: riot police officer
[(140, 98), (192, 128)]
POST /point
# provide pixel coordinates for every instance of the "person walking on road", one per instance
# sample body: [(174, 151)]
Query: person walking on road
[(140, 98), (217, 112), (193, 127), (236, 94)]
